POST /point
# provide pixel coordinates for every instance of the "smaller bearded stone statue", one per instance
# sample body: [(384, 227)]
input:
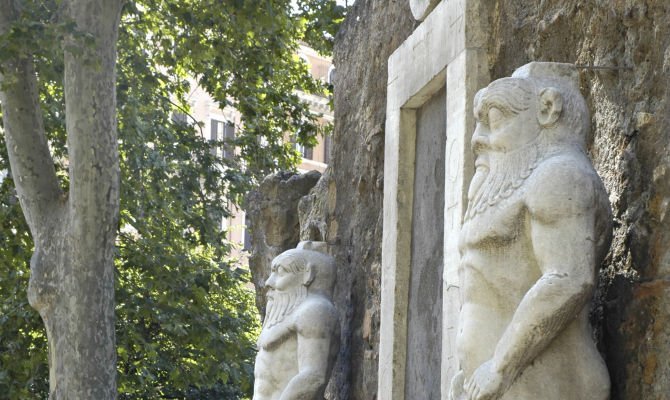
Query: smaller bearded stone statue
[(537, 227), (299, 341)]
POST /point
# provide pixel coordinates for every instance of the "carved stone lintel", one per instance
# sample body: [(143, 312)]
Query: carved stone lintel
[(421, 8)]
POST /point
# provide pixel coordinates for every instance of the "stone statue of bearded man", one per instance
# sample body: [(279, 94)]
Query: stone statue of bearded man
[(537, 227), (299, 341)]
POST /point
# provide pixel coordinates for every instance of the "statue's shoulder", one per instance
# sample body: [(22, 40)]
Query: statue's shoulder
[(562, 185), (316, 317)]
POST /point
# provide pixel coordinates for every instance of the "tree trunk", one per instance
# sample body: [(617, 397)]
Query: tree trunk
[(72, 270)]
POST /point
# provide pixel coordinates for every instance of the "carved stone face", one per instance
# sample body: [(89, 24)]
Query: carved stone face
[(287, 287), (506, 114), (282, 278), (504, 142)]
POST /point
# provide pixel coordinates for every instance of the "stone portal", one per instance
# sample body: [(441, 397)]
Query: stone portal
[(432, 79), (424, 311)]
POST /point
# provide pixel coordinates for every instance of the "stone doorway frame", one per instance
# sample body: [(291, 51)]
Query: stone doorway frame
[(448, 48)]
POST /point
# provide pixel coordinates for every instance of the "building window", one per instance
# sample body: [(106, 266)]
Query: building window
[(229, 136), (247, 240), (307, 152), (179, 117), (224, 131)]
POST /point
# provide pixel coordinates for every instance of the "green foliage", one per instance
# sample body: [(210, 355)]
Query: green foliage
[(186, 323), (322, 18), (23, 345)]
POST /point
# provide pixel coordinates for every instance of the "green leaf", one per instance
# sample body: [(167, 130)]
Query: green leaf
[(186, 323)]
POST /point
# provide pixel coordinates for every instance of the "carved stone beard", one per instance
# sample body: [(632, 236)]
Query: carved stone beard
[(281, 304), (506, 172)]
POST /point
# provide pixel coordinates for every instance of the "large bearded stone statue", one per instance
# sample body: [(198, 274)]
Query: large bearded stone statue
[(537, 227), (299, 341)]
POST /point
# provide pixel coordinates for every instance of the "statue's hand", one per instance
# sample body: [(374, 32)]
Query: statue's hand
[(485, 384), (456, 391)]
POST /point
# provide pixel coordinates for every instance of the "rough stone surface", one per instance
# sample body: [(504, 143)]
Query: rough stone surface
[(301, 332), (317, 211), (630, 115), (272, 219), (424, 306), (346, 207)]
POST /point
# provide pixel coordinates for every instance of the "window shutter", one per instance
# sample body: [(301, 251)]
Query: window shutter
[(215, 130), (214, 135), (308, 153), (229, 136)]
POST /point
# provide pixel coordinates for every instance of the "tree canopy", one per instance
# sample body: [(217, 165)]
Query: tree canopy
[(186, 323)]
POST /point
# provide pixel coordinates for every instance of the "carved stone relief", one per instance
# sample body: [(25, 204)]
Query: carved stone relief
[(537, 227), (299, 341)]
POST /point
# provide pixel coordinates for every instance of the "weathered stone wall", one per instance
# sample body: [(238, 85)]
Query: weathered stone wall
[(345, 208), (629, 146), (272, 220), (630, 149)]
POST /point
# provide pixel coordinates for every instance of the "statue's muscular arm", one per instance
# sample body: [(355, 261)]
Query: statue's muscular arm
[(315, 328), (561, 205)]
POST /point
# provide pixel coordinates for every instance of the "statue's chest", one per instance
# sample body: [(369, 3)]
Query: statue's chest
[(277, 335), (498, 224)]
